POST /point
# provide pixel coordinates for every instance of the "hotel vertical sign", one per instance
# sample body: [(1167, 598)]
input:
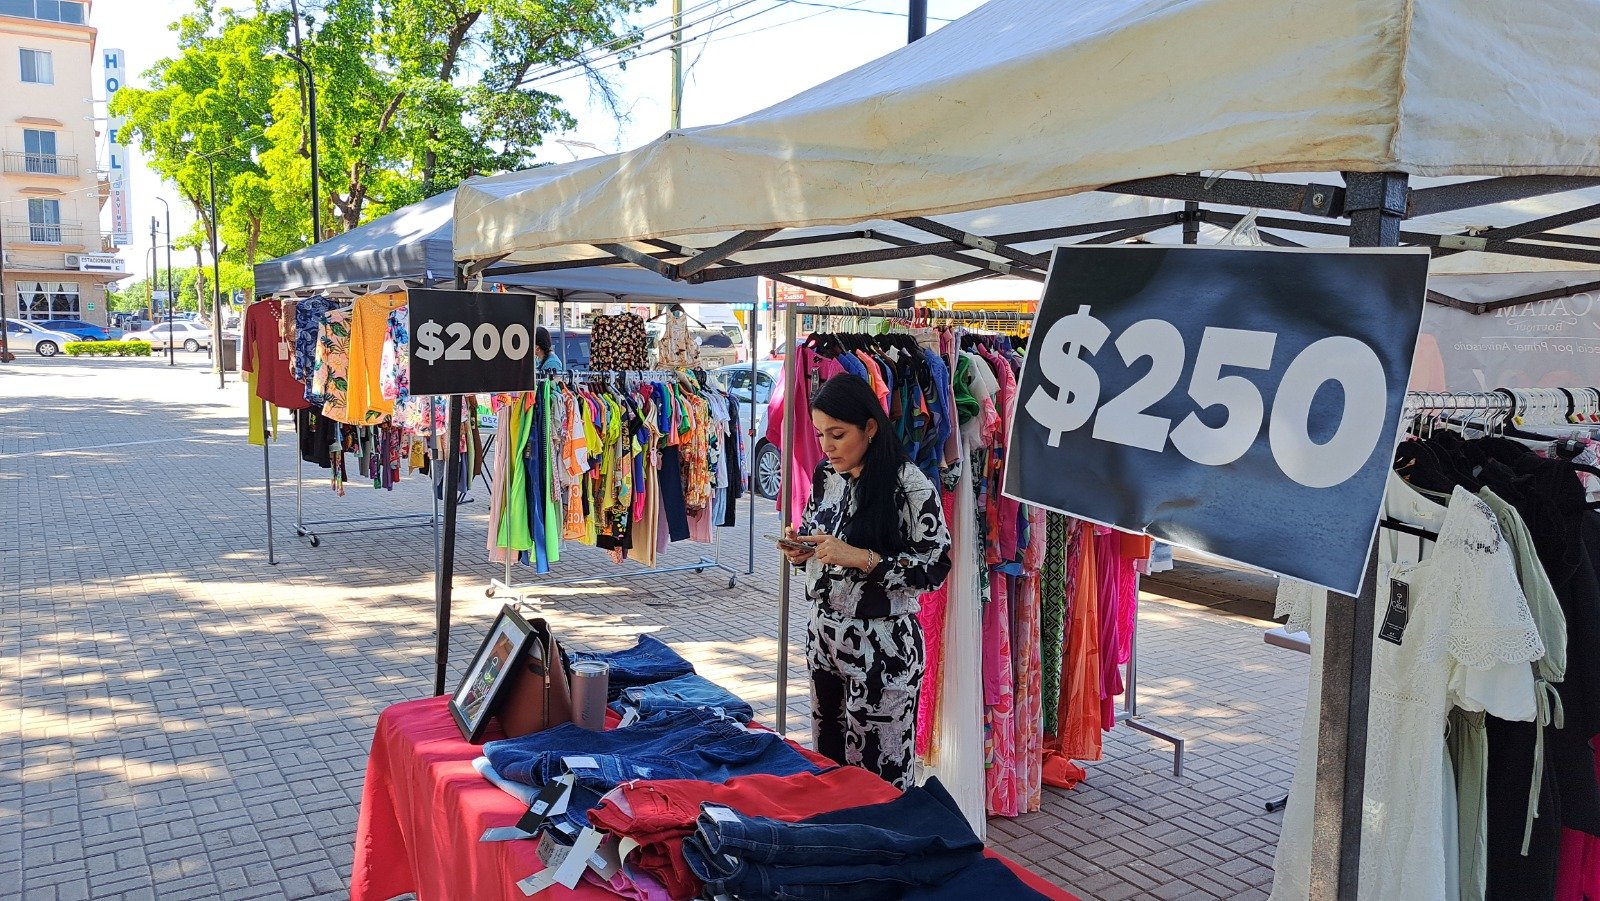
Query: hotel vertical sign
[(117, 155)]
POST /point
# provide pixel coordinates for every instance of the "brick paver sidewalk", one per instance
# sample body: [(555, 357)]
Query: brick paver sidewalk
[(182, 720)]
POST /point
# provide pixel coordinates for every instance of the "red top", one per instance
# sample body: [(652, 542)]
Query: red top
[(267, 353)]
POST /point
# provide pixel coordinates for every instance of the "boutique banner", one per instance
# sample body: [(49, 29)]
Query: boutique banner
[(471, 342), (1243, 402)]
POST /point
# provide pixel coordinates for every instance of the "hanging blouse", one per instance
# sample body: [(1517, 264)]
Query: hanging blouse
[(678, 348), (618, 344), (1468, 642)]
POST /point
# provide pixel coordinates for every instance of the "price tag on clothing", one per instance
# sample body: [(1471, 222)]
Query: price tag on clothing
[(1395, 618), (580, 763), (552, 801), (720, 814), (607, 859), (1241, 401), (283, 351)]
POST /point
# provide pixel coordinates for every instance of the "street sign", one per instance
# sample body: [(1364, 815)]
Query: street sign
[(471, 342), (1240, 401)]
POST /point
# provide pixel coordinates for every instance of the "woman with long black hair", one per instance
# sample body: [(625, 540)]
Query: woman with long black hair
[(877, 541)]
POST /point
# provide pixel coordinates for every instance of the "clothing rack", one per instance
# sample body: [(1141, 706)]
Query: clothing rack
[(506, 587), (304, 528)]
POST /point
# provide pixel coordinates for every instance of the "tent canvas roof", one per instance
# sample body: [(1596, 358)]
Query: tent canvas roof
[(414, 243), (994, 122)]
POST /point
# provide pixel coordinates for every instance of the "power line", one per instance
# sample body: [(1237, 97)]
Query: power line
[(621, 53)]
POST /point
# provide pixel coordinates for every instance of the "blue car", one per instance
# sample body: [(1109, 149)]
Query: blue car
[(84, 331)]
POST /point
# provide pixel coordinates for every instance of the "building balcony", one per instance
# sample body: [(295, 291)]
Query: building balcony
[(23, 231), (18, 162)]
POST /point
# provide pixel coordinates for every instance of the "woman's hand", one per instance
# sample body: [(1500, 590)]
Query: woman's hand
[(796, 557), (832, 551)]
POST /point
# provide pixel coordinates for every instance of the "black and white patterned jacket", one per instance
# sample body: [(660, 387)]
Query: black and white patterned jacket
[(893, 586)]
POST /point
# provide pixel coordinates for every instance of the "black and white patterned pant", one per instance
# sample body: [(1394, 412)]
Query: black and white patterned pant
[(865, 675)]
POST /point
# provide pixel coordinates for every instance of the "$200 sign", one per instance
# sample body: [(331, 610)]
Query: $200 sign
[(470, 342), (1242, 402)]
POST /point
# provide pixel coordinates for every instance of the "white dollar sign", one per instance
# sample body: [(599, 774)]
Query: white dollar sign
[(430, 346), (1077, 384)]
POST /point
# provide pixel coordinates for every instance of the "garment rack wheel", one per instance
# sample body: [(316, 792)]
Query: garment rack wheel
[(733, 582), (489, 592), (312, 539)]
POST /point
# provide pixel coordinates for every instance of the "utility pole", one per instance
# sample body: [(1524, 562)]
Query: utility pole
[(677, 64), (916, 30), (172, 299)]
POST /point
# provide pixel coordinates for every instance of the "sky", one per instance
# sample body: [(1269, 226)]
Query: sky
[(749, 55)]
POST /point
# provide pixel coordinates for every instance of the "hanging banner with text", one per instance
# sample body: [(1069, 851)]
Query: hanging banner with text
[(471, 342), (1243, 402)]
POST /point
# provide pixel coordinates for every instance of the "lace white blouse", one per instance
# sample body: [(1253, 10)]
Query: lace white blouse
[(1468, 642)]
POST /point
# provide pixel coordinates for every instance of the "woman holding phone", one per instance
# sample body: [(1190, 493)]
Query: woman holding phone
[(873, 539)]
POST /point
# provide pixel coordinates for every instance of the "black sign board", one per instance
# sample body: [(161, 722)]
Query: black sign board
[(471, 342), (1240, 401)]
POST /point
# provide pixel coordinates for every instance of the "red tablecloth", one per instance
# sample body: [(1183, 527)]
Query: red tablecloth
[(424, 808)]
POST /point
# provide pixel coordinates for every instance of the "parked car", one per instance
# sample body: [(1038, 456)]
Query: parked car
[(190, 336), (85, 331), (574, 351), (768, 386), (44, 342)]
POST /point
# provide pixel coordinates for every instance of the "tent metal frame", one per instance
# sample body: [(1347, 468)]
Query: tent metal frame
[(1376, 204)]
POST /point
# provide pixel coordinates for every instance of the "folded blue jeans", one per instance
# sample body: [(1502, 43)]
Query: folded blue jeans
[(986, 878), (649, 661), (857, 854), (683, 693)]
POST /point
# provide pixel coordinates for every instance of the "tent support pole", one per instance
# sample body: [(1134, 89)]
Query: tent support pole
[(791, 378), (750, 430), (1377, 204), (444, 576)]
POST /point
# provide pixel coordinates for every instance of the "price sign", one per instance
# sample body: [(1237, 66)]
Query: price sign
[(1239, 401), (470, 342)]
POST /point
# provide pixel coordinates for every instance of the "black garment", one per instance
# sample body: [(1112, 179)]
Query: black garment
[(317, 435), (730, 463), (672, 494)]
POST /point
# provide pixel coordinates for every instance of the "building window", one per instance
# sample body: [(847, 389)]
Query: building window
[(44, 221), (39, 152), (42, 301), (68, 11), (37, 68)]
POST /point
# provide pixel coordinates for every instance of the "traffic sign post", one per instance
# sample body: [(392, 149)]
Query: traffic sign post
[(1240, 401), (471, 342)]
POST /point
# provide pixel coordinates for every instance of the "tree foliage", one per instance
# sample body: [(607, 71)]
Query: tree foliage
[(413, 96)]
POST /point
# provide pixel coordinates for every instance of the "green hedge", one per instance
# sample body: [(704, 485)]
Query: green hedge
[(107, 349)]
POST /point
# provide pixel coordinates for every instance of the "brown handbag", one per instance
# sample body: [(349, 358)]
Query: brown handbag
[(539, 696)]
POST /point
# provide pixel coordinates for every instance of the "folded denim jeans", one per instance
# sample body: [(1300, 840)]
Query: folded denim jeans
[(984, 879), (649, 661), (660, 815), (683, 693), (856, 854), (689, 744)]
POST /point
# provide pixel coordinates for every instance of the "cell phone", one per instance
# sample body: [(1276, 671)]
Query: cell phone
[(789, 543)]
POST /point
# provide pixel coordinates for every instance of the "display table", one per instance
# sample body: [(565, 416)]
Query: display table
[(424, 807)]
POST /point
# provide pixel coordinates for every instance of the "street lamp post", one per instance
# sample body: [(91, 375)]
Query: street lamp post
[(172, 299), (5, 340), (311, 112), (216, 283)]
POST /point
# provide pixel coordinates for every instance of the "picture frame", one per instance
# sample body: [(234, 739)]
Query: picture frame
[(482, 688)]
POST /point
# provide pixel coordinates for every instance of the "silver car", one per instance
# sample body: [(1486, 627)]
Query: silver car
[(189, 335), (768, 384), (44, 342)]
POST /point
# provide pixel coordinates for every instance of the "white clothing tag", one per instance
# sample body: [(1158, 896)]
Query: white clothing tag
[(283, 350), (606, 861), (571, 869), (580, 763), (504, 834), (720, 814), (538, 882)]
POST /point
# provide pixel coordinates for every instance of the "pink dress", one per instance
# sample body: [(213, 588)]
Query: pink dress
[(807, 451)]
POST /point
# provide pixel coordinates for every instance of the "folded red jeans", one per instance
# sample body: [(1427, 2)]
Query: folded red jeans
[(660, 814)]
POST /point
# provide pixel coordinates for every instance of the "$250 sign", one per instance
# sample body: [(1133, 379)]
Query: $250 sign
[(1240, 401), (469, 342)]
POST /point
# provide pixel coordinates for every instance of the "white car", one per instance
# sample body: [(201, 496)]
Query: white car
[(45, 342), (190, 336)]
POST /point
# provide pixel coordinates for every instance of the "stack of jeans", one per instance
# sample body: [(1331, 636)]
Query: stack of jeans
[(649, 661), (918, 843), (687, 744), (683, 693)]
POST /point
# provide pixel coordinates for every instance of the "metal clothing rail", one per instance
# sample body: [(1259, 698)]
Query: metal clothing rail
[(304, 528), (507, 588), (1130, 715)]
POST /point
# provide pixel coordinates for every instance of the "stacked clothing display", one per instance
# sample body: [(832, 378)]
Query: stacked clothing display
[(343, 371), (1485, 698), (1056, 597), (699, 802), (620, 462)]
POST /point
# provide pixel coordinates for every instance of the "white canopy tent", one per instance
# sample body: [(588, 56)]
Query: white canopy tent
[(1468, 126)]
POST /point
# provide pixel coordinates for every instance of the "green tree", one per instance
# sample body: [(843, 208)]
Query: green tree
[(413, 97)]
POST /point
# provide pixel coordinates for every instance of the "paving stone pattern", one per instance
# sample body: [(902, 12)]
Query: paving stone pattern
[(183, 720)]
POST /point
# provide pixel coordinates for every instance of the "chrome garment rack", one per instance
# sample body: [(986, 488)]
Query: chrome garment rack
[(506, 587)]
